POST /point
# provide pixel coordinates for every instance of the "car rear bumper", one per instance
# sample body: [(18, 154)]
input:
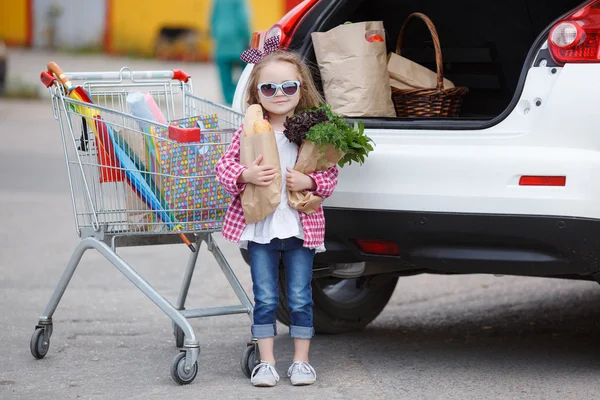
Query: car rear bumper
[(467, 243)]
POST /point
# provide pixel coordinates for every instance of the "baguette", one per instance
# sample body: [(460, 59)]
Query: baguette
[(253, 114), (262, 126)]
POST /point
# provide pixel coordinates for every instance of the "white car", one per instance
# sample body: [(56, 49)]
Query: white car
[(511, 186)]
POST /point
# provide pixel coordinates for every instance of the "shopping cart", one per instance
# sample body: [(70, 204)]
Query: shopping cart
[(137, 182)]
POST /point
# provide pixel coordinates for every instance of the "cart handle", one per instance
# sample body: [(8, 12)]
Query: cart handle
[(180, 75), (47, 79), (126, 73)]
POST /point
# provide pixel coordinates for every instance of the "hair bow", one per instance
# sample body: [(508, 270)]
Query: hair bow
[(252, 56)]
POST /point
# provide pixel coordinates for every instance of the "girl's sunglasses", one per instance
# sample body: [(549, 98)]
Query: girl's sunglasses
[(269, 89)]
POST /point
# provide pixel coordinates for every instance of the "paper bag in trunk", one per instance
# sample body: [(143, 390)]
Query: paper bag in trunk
[(258, 137), (406, 74), (352, 59), (312, 158)]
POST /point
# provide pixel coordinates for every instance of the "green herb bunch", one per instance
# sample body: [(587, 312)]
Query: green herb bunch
[(334, 130)]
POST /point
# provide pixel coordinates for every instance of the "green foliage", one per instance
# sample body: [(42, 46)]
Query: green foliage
[(350, 139)]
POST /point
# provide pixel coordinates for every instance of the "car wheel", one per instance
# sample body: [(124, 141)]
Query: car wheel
[(342, 305)]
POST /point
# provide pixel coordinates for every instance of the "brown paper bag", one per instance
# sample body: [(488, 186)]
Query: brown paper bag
[(312, 158), (400, 85), (354, 70), (259, 201), (411, 74)]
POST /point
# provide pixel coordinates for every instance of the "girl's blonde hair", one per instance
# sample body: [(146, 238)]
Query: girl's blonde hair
[(309, 95)]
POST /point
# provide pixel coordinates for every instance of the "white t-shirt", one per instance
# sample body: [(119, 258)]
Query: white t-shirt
[(284, 222)]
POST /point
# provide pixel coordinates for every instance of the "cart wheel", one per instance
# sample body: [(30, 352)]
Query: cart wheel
[(38, 347), (248, 361), (178, 372), (179, 336)]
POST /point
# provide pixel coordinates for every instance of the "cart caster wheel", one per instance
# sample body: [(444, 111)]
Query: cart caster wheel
[(38, 347), (178, 372), (249, 361), (179, 336)]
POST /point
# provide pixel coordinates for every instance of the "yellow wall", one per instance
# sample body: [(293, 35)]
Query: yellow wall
[(135, 25), (265, 13), (13, 21)]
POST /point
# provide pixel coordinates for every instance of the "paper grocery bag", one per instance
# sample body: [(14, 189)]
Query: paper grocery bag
[(312, 158), (407, 74), (352, 59), (400, 85), (260, 201)]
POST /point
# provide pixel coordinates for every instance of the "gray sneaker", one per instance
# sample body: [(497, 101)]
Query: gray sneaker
[(264, 375), (301, 373)]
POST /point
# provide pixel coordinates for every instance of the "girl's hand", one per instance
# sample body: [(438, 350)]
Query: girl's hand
[(259, 175), (297, 181)]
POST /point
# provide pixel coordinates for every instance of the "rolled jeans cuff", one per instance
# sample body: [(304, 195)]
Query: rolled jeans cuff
[(302, 332), (263, 331)]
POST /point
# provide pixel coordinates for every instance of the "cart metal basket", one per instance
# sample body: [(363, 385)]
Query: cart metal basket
[(140, 150)]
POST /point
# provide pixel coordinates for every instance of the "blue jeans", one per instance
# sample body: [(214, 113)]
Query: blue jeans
[(264, 266)]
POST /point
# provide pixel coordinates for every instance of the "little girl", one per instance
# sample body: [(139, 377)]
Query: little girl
[(282, 84)]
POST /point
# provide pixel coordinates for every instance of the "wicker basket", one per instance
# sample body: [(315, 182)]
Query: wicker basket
[(427, 103)]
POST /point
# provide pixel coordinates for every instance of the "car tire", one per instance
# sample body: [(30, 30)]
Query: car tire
[(342, 305)]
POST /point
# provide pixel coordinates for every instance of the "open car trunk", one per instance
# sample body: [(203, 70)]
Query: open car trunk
[(484, 43)]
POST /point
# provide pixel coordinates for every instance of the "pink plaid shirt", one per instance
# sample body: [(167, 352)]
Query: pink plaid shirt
[(228, 170)]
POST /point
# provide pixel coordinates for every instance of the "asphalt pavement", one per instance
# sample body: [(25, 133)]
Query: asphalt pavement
[(440, 337)]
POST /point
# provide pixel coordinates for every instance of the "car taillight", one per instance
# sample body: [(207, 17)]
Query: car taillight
[(575, 39), (535, 180), (286, 26), (378, 247)]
